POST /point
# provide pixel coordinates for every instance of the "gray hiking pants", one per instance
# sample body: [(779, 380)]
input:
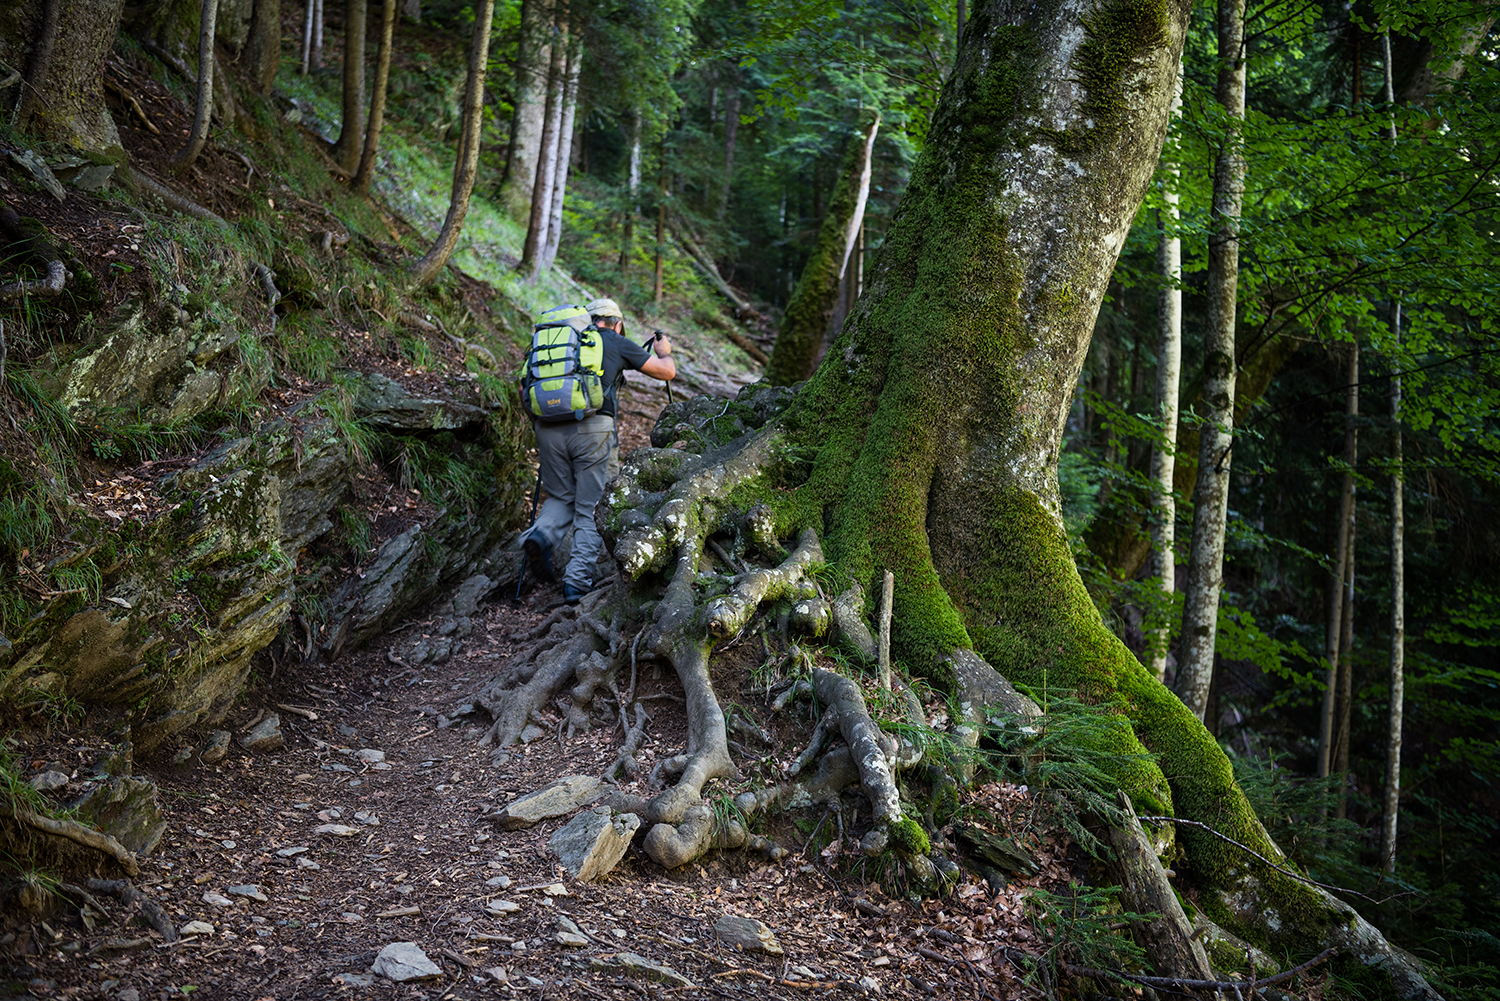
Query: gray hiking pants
[(576, 460)]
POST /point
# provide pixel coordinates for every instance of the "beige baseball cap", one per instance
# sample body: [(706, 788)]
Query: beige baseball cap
[(604, 307)]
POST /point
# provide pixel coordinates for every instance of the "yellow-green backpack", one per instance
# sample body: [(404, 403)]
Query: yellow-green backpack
[(564, 377)]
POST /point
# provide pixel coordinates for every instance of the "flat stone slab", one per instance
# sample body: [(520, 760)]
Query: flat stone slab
[(196, 928), (592, 843), (403, 961), (642, 968), (265, 737), (251, 890), (747, 934), (217, 747), (554, 800)]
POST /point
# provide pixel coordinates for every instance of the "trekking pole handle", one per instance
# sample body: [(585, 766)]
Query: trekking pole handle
[(657, 335)]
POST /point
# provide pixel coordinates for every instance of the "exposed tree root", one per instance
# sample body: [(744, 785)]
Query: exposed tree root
[(75, 832), (129, 895)]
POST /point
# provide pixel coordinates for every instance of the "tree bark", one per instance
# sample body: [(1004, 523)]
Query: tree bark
[(1346, 674), (564, 149), (795, 353), (198, 136), (366, 171), (424, 270), (661, 231), (533, 58), (412, 10), (1333, 635), (1168, 377), (731, 130), (310, 16), (1392, 805), (1211, 497), (546, 168), (63, 96), (632, 194), (346, 148), (263, 49)]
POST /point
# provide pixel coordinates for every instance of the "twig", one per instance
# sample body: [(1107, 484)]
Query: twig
[(1252, 851), (887, 594), (304, 713)]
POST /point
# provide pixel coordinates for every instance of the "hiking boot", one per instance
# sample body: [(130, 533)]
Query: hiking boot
[(539, 560), (572, 595)]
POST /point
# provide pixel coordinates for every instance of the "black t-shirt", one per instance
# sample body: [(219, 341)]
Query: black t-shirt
[(620, 353)]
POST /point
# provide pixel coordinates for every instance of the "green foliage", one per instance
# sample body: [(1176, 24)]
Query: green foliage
[(1079, 926)]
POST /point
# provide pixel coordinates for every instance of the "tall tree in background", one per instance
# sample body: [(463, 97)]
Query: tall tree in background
[(366, 171), (198, 134), (467, 161), (1195, 668), (805, 322), (533, 58), (312, 38), (262, 55), (553, 232), (546, 167), (346, 149), (1339, 587), (731, 132), (632, 191), (1168, 375)]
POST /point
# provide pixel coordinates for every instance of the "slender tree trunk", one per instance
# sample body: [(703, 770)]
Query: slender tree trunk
[(263, 48), (633, 194), (533, 60), (424, 270), (731, 130), (807, 316), (317, 41), (346, 148), (1342, 569), (1392, 808), (1398, 612), (546, 168), (661, 230), (39, 63), (1168, 377), (1346, 676), (564, 150), (198, 137), (412, 10), (366, 171), (1211, 496), (307, 37)]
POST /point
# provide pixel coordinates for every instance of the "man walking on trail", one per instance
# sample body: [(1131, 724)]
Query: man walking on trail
[(577, 458)]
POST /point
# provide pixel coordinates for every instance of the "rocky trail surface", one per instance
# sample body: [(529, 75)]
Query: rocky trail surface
[(352, 839)]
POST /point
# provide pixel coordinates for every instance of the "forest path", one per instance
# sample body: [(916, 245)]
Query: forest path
[(309, 860)]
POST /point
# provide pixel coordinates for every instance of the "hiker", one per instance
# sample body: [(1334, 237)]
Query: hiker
[(577, 457)]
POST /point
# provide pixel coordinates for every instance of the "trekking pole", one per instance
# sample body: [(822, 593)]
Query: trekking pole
[(536, 496), (657, 335)]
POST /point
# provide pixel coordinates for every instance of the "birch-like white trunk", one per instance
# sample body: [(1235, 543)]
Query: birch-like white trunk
[(1392, 808), (546, 168), (633, 197), (1168, 378), (532, 62), (564, 154), (1211, 494)]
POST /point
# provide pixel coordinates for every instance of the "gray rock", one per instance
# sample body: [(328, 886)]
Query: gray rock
[(85, 175), (592, 843), (570, 939), (183, 756), (747, 934), (128, 810), (500, 882), (500, 908), (403, 961), (128, 994), (36, 168), (354, 980), (252, 890), (266, 736), (48, 781), (369, 755), (291, 852), (532, 732), (217, 747), (217, 899), (554, 800), (337, 830), (642, 968), (196, 928), (384, 403)]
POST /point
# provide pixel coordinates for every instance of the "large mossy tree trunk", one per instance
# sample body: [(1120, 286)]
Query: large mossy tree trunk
[(63, 96), (927, 442)]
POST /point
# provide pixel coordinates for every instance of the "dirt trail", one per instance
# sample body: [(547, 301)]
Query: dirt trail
[(299, 914)]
